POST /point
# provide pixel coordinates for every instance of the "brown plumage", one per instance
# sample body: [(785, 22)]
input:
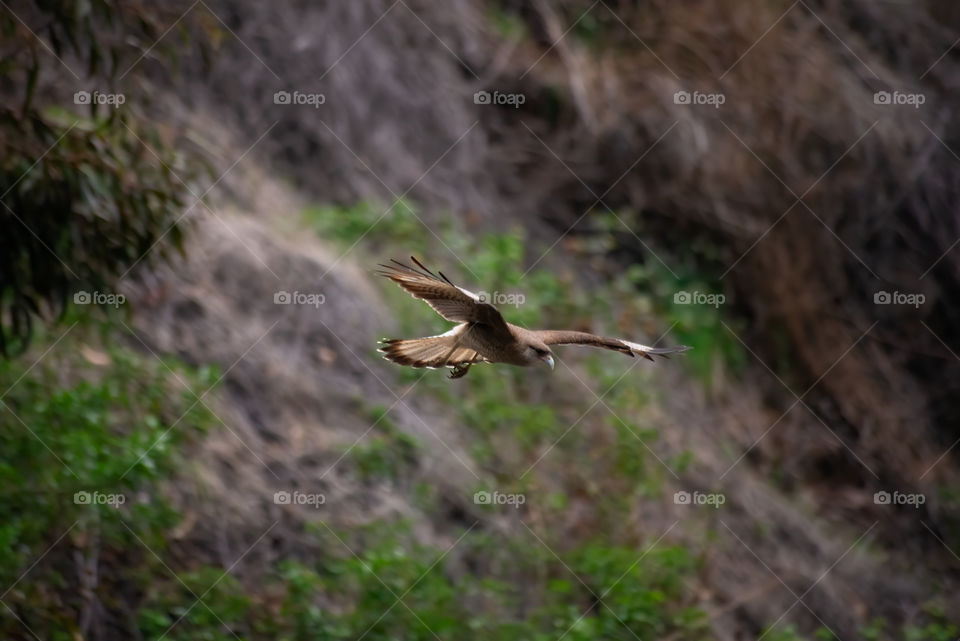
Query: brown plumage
[(482, 335)]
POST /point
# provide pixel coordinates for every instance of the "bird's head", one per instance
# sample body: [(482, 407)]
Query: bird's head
[(538, 350)]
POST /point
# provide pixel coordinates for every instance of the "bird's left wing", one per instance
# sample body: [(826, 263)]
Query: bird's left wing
[(448, 300), (569, 337)]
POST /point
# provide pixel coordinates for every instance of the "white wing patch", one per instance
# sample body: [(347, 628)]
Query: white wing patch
[(636, 347), (469, 293), (452, 332)]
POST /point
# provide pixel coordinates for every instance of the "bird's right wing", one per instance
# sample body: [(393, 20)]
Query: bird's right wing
[(565, 337), (448, 300)]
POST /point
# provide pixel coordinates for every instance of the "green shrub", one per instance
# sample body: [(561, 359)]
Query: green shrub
[(85, 446), (82, 197)]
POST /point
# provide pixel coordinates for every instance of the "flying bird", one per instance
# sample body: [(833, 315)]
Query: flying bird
[(482, 335)]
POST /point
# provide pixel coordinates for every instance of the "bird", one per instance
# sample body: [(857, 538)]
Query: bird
[(481, 334)]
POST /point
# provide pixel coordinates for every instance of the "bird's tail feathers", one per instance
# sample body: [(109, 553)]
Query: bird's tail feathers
[(432, 351)]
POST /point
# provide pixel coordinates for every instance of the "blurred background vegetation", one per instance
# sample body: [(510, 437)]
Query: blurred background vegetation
[(155, 398)]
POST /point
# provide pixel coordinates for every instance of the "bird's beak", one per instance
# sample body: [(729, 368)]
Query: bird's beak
[(548, 359)]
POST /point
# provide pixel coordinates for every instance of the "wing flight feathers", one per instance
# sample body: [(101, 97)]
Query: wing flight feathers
[(448, 300), (561, 337)]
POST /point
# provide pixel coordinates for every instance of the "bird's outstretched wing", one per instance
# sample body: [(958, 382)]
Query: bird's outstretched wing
[(448, 300), (565, 337)]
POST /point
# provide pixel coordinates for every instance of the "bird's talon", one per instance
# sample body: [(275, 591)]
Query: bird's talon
[(459, 370)]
